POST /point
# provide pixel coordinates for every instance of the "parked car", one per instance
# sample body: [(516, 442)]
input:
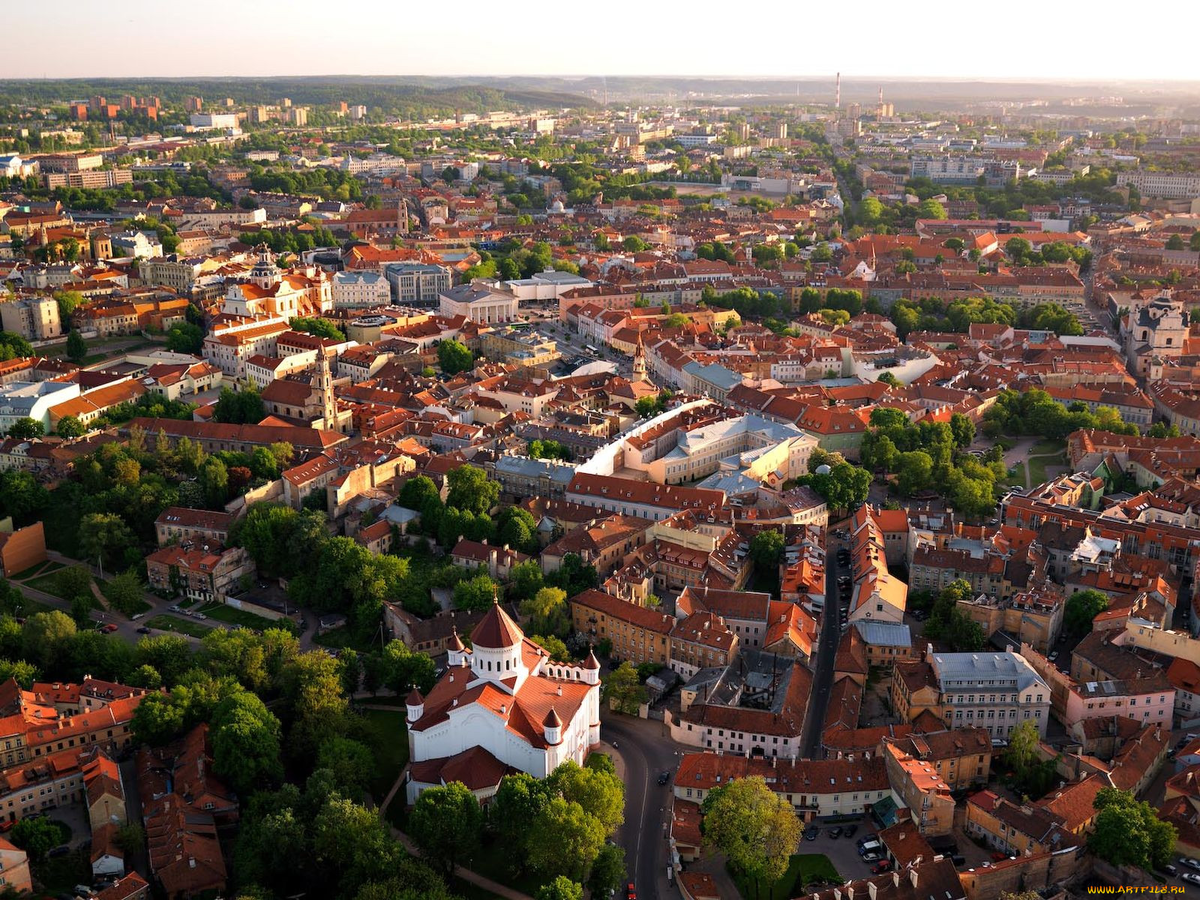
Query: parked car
[(884, 865), (1190, 863), (1169, 869), (109, 628), (835, 831), (850, 830), (61, 850), (664, 778), (871, 857), (811, 832), (143, 630), (1190, 877), (1053, 655), (958, 860)]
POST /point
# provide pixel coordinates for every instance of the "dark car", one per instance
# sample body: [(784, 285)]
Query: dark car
[(884, 865), (959, 861), (664, 778), (810, 833), (835, 831), (1169, 870), (143, 630), (850, 831), (61, 850)]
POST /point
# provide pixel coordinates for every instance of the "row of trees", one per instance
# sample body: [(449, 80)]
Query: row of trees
[(934, 314), (1036, 412)]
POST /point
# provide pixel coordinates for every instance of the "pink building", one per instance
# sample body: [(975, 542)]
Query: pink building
[(1149, 699)]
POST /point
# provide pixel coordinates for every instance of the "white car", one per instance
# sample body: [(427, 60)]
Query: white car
[(1190, 877), (1189, 862)]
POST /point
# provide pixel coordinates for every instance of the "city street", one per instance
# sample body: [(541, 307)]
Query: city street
[(826, 653), (646, 751)]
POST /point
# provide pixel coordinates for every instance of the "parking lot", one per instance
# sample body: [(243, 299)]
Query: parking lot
[(842, 851)]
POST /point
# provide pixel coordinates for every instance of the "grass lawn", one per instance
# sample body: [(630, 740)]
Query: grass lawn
[(343, 638), (231, 616), (42, 568), (1047, 447), (167, 622), (47, 584), (492, 861), (389, 743), (1037, 467), (802, 869), (1016, 475)]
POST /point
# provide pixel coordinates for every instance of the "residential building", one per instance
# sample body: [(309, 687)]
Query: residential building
[(637, 633)]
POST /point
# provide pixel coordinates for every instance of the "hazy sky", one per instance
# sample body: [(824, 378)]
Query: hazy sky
[(570, 37)]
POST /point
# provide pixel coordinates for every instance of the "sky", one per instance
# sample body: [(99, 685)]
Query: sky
[(788, 38)]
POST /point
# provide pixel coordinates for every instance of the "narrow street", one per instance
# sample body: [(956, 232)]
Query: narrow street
[(645, 752), (826, 653)]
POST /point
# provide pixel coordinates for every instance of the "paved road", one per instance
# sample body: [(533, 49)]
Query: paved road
[(826, 654), (126, 628), (646, 752)]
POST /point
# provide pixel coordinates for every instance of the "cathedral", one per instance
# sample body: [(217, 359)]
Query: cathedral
[(502, 706)]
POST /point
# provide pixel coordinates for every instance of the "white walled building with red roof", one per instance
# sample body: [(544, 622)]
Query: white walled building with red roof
[(502, 706)]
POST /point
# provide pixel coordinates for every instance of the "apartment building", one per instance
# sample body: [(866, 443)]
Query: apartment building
[(33, 318), (637, 634), (995, 691), (360, 290), (1161, 185), (815, 788), (417, 284), (918, 786)]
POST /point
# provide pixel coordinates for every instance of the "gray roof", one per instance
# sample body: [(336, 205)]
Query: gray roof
[(973, 667), (714, 374), (885, 634)]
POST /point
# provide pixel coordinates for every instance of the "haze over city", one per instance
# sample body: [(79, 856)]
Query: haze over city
[(557, 451), (378, 37)]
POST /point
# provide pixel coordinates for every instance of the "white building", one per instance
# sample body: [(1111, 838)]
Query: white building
[(33, 318), (32, 400), (214, 120), (137, 244), (1162, 184), (996, 691), (357, 290), (478, 303), (503, 703)]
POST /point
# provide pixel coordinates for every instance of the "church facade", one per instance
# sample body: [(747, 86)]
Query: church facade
[(502, 706)]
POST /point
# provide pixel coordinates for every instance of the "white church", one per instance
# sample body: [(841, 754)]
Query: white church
[(501, 707)]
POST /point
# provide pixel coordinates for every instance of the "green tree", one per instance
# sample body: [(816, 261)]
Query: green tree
[(322, 328), (633, 244), (351, 762), (26, 429), (525, 580), (914, 470), (475, 593), (756, 830), (1175, 242), (563, 839), (70, 427), (517, 528), (243, 407), (245, 741), (599, 792), (471, 490), (106, 537), (68, 302), (1128, 832), (446, 823), (185, 338), (76, 347), (1082, 607), (214, 479), (454, 357), (608, 871), (37, 836), (561, 888), (623, 689), (157, 720), (547, 612)]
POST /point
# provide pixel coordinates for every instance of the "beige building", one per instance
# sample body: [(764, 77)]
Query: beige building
[(33, 318)]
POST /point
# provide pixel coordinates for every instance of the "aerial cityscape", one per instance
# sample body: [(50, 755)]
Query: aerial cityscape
[(730, 486)]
